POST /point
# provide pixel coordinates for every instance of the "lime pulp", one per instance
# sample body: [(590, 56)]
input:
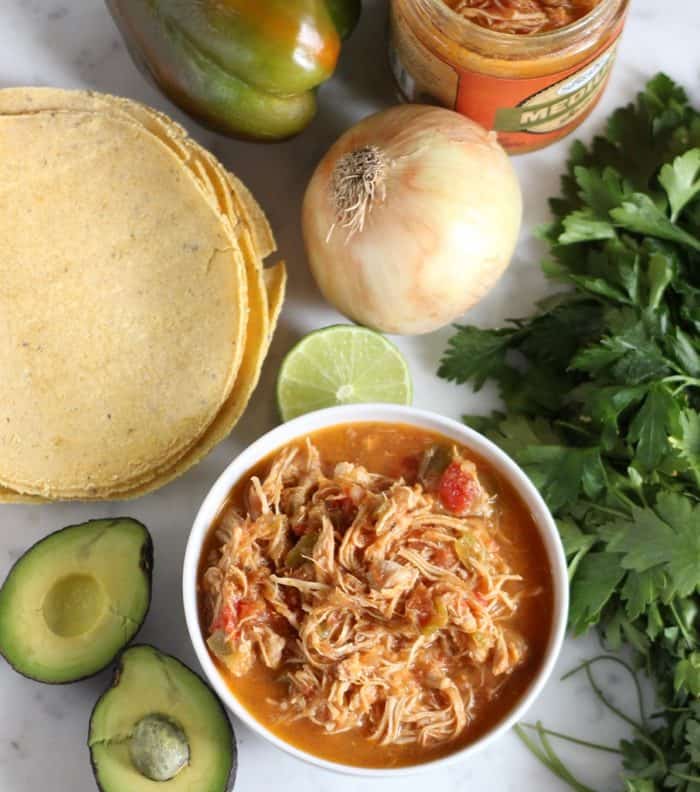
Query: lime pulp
[(341, 364)]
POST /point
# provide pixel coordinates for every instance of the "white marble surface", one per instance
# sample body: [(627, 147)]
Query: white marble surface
[(73, 44)]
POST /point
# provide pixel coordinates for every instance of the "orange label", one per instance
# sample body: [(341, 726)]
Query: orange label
[(547, 106), (526, 112)]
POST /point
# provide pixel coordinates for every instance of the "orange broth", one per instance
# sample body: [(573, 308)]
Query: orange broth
[(394, 450)]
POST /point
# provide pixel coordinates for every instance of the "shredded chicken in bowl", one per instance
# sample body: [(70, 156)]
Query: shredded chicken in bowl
[(382, 605)]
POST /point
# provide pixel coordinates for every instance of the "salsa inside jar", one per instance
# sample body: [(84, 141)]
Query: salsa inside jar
[(522, 17)]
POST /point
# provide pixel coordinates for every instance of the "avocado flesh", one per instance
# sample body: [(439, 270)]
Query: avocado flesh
[(75, 599), (148, 682)]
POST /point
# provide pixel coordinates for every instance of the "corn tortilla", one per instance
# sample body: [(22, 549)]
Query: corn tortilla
[(257, 335), (274, 279), (275, 285), (124, 365), (193, 156), (250, 209), (234, 407), (246, 218), (222, 185)]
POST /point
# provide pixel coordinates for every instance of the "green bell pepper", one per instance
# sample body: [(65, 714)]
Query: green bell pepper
[(247, 68)]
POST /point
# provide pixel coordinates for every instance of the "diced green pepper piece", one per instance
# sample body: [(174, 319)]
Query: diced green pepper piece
[(304, 547), (434, 462), (439, 618)]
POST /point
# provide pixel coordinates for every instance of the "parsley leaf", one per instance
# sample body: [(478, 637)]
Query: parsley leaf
[(596, 580), (560, 473), (660, 275), (632, 356), (601, 190), (584, 226), (641, 215), (681, 180), (477, 355), (687, 442), (668, 538), (687, 677), (684, 352), (651, 426)]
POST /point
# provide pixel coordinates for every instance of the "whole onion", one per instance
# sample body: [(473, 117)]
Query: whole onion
[(410, 218)]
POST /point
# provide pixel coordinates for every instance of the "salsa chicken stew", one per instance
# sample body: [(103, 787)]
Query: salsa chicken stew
[(376, 595)]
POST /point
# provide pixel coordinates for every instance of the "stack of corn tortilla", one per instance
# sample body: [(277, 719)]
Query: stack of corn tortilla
[(135, 311)]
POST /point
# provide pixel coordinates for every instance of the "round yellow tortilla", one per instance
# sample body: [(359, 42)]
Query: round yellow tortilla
[(266, 290), (133, 344)]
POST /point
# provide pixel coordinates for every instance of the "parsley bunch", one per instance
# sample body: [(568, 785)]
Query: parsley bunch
[(601, 390)]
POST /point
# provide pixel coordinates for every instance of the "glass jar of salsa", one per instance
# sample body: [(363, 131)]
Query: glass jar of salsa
[(532, 86)]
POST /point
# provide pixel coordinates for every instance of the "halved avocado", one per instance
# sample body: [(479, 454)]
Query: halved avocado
[(75, 599), (160, 726)]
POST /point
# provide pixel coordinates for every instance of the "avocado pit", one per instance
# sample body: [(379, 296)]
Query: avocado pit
[(158, 748), (159, 722), (73, 605)]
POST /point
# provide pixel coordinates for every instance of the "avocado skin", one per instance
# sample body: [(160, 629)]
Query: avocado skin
[(115, 682), (146, 565)]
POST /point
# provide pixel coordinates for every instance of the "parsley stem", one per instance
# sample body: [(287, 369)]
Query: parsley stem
[(575, 428), (639, 728), (678, 710), (549, 759), (685, 776), (617, 493), (569, 738), (684, 631), (601, 696), (604, 509), (613, 659), (642, 498), (575, 561), (686, 382)]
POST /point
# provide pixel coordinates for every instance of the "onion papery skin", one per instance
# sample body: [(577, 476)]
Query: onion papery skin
[(437, 236)]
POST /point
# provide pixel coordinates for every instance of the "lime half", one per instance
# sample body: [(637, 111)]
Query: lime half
[(341, 364)]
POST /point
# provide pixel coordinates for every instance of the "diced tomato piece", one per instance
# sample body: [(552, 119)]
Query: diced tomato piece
[(457, 489), (420, 605), (444, 557), (246, 609), (227, 619), (253, 608)]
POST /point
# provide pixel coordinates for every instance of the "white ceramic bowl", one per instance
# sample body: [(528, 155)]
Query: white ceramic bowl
[(386, 413)]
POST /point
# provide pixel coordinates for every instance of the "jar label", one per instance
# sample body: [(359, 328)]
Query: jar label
[(519, 109), (558, 105), (526, 112)]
